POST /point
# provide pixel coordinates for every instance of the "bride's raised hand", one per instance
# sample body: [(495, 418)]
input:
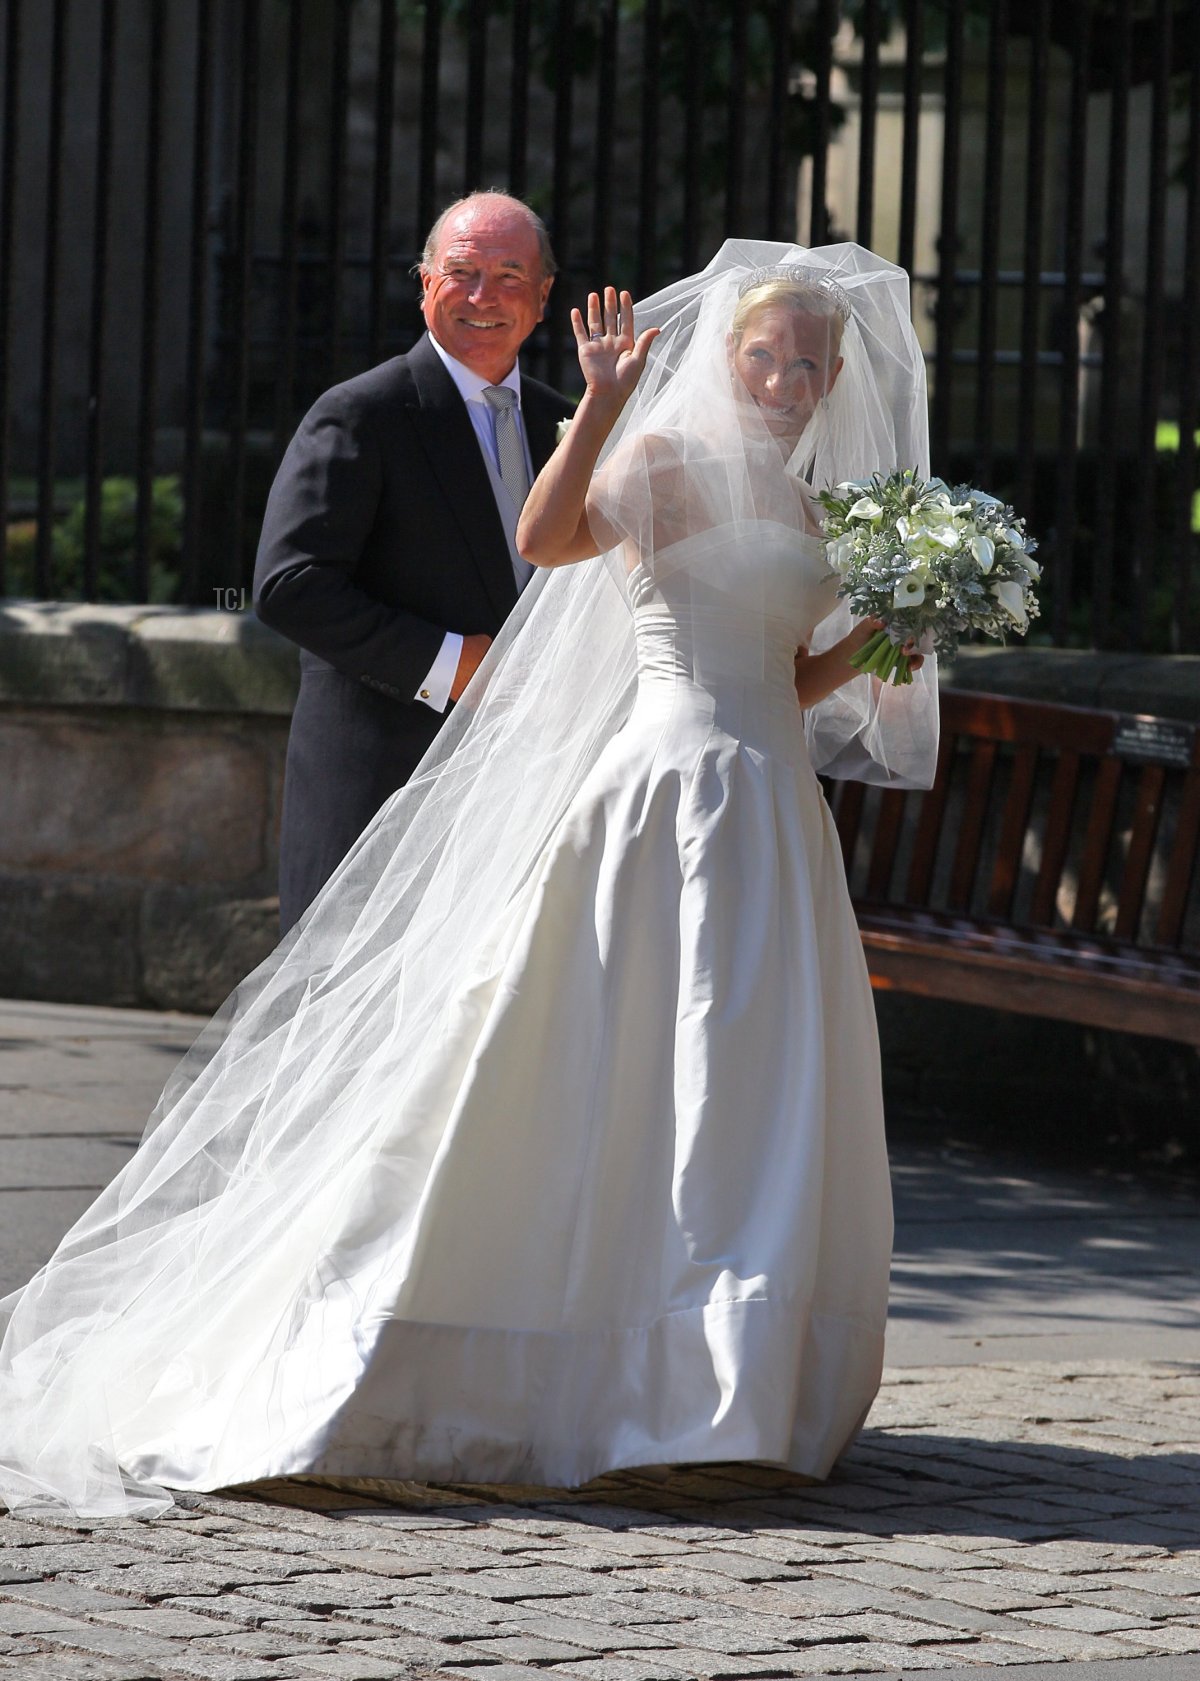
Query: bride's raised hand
[(610, 358)]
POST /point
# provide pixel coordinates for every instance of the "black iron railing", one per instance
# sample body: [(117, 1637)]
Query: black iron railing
[(209, 210)]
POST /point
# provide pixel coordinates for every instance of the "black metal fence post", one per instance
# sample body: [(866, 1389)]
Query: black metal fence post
[(48, 403), (8, 185), (1042, 154)]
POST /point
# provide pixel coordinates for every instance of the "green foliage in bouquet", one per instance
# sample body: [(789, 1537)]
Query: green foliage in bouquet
[(931, 561)]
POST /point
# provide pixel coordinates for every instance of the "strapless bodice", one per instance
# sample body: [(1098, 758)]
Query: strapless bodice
[(730, 606)]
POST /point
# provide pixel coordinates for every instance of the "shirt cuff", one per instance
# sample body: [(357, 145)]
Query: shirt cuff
[(435, 690)]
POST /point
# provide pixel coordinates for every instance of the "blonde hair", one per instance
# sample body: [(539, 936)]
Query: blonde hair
[(790, 291)]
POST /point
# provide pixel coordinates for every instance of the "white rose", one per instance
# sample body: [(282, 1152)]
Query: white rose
[(841, 551)]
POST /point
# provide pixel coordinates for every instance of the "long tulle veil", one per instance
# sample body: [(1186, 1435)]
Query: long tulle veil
[(292, 1083)]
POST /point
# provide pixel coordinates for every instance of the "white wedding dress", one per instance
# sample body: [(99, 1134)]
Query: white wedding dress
[(551, 1141), (635, 1207)]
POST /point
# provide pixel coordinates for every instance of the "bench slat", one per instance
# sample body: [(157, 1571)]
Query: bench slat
[(1012, 831), (850, 796), (887, 836), (1096, 843), (1040, 723), (1049, 964), (1057, 838), (1146, 814), (970, 835), (929, 825), (1130, 1003), (1182, 866)]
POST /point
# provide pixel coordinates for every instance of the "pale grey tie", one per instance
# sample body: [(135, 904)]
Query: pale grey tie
[(509, 445)]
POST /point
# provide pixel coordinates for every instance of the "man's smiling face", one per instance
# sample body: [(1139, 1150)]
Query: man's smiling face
[(484, 292)]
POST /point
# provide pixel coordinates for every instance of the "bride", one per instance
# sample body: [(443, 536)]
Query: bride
[(551, 1141)]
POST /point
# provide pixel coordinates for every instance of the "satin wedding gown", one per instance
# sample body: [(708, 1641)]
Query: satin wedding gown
[(636, 1207)]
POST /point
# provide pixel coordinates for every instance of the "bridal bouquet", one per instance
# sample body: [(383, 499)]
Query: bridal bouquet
[(931, 561)]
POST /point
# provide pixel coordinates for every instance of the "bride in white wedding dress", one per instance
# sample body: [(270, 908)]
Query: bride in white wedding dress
[(551, 1142)]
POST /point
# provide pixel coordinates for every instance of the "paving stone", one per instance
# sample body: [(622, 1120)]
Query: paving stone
[(635, 1543), (169, 1621), (347, 1666), (640, 1667), (987, 1596), (699, 1665), (188, 1659), (591, 1634), (160, 1580), (409, 1651), (730, 1635), (548, 1582), (1163, 1637), (1069, 1643), (456, 1619), (62, 1595), (241, 1609), (1090, 1619), (1149, 1605), (988, 1651), (47, 1558), (76, 1666), (260, 1643), (326, 1590), (372, 1561), (32, 1619), (518, 1648), (869, 1658), (616, 1606), (323, 1631), (501, 1672)]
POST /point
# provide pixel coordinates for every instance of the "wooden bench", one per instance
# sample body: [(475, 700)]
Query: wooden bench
[(1050, 870)]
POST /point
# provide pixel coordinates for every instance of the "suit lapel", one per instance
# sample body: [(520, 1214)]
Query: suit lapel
[(541, 419), (450, 444)]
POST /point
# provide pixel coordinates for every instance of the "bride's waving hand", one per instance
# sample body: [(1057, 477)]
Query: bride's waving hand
[(554, 528)]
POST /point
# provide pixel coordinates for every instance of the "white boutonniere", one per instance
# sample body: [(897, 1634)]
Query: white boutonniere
[(560, 431)]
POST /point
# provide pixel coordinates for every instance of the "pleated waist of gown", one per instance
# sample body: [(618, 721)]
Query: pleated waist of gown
[(732, 671)]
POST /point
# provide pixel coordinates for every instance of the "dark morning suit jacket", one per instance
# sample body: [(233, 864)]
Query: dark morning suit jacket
[(381, 533)]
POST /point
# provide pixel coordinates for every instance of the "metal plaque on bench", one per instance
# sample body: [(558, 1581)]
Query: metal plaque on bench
[(1155, 741)]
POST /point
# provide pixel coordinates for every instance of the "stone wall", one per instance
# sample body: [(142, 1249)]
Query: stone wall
[(141, 766)]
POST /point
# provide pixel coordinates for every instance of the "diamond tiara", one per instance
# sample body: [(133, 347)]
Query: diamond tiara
[(800, 274)]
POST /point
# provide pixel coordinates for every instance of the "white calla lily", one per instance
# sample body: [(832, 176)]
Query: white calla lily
[(984, 551), (865, 508), (1012, 598), (910, 591)]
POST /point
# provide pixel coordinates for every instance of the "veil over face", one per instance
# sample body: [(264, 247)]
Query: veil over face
[(213, 1228)]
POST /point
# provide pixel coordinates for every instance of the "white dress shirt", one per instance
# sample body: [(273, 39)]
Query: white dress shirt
[(435, 690)]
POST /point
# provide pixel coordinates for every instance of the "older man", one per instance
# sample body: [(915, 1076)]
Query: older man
[(387, 549)]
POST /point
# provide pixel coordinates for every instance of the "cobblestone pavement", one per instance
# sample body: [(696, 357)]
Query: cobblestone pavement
[(1026, 1493), (989, 1515)]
